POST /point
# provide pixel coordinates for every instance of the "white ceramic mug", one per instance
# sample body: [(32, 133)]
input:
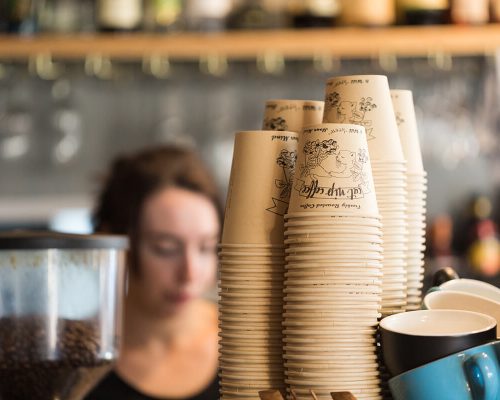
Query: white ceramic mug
[(473, 286), (454, 300)]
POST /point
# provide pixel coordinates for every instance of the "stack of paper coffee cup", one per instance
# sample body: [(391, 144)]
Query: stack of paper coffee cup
[(333, 267), (292, 115), (365, 100), (252, 263), (416, 194)]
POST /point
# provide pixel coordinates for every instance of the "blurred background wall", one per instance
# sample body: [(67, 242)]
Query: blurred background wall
[(60, 128)]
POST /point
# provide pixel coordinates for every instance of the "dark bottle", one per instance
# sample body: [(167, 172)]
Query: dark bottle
[(424, 12), (3, 16), (313, 13), (254, 14), (18, 16), (119, 15)]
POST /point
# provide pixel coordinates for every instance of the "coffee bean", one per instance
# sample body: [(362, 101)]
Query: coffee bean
[(40, 363)]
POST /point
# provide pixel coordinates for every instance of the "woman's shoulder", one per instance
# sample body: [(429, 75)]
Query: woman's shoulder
[(114, 387)]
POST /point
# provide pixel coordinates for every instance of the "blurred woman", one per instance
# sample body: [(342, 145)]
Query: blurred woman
[(165, 200)]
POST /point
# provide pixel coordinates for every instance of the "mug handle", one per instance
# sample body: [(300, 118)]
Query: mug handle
[(482, 375), (433, 289)]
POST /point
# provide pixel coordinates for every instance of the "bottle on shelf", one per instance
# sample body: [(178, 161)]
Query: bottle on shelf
[(484, 253), (466, 12), (495, 10), (256, 14), (368, 12), (206, 16), (478, 238), (66, 16), (162, 15), (119, 15), (3, 17), (313, 13), (18, 16), (424, 12)]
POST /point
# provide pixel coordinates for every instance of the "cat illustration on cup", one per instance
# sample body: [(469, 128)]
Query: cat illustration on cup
[(315, 152), (345, 170), (349, 166), (352, 112)]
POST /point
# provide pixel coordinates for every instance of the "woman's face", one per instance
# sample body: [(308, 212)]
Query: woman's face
[(177, 250)]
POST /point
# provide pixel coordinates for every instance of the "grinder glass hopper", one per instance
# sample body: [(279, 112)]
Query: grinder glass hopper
[(60, 311)]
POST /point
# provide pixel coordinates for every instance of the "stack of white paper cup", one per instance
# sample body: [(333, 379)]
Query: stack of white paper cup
[(365, 100), (252, 263), (333, 266), (292, 115), (416, 194)]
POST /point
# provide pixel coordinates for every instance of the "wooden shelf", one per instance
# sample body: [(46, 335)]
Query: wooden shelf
[(292, 44)]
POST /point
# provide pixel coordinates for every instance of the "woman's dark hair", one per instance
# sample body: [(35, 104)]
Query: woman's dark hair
[(133, 178)]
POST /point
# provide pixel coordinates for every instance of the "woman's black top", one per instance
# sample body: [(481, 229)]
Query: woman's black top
[(112, 387)]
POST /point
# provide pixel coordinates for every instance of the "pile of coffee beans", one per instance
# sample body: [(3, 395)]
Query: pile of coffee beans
[(39, 360)]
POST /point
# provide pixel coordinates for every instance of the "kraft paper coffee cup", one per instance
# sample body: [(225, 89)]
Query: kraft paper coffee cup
[(310, 248), (369, 372), (241, 351), (252, 368), (302, 319), (319, 266), (402, 101), (359, 358), (306, 218), (228, 256), (339, 338), (255, 277), (251, 247), (363, 334), (366, 317), (327, 367), (259, 187), (319, 273), (389, 166), (344, 300), (333, 172), (339, 257), (366, 100), (348, 374), (329, 350), (292, 115), (292, 233), (346, 239), (331, 289), (250, 264)]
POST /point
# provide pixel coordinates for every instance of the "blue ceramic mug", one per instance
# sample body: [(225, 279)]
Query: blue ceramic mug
[(472, 374)]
